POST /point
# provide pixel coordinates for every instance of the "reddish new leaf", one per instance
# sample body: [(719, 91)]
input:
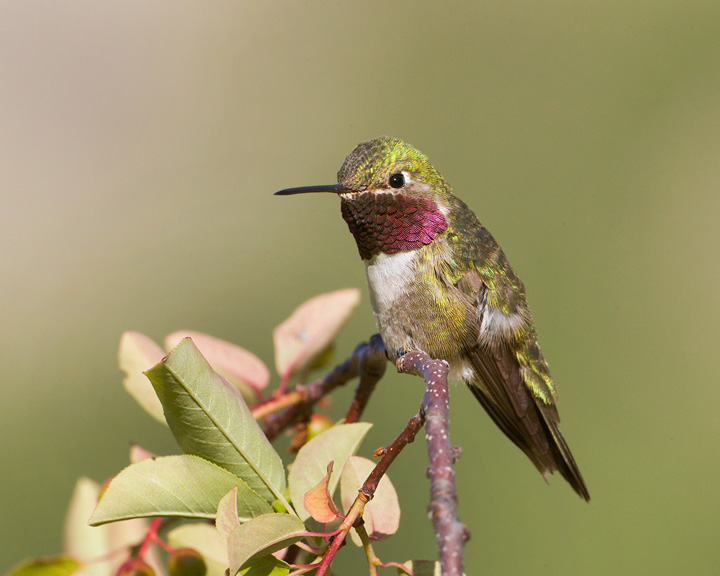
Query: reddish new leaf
[(318, 501), (137, 353), (311, 328)]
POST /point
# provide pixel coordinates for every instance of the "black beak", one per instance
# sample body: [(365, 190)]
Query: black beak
[(334, 188)]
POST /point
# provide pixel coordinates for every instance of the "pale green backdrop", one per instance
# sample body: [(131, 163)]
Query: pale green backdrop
[(141, 141)]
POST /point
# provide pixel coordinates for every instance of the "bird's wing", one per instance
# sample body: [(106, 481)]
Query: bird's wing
[(514, 384)]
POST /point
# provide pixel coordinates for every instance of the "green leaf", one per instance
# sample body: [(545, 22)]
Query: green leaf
[(48, 566), (262, 536), (265, 566), (186, 486), (137, 353), (382, 513), (209, 418), (311, 328), (337, 443), (240, 367), (206, 540)]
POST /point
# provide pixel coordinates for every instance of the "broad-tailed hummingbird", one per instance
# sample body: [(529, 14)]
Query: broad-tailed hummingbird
[(439, 283)]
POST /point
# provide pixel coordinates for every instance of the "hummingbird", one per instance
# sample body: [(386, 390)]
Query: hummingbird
[(439, 283)]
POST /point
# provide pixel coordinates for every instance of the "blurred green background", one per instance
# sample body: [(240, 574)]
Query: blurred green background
[(141, 142)]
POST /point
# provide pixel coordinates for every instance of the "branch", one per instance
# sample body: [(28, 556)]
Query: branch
[(368, 361), (372, 368), (367, 491), (389, 453), (450, 533)]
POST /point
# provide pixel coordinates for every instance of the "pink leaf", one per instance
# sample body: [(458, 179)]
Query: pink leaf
[(138, 453), (311, 328), (382, 513), (137, 353)]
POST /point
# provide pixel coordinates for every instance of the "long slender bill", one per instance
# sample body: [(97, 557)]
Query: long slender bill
[(333, 188)]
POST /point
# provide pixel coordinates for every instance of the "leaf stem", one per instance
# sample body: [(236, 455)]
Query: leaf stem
[(276, 403), (150, 537)]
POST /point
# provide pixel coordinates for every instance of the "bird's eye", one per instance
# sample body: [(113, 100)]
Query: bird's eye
[(397, 181)]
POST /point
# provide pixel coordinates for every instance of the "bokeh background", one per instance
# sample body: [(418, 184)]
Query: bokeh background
[(141, 142)]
